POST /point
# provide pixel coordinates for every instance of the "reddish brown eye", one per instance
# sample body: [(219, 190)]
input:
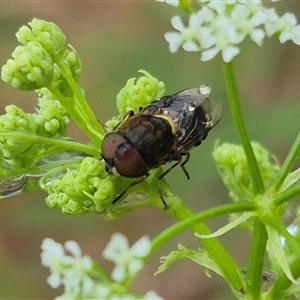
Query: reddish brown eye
[(110, 143), (129, 162)]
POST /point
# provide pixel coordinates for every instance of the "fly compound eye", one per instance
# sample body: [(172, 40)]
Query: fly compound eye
[(129, 162), (110, 144)]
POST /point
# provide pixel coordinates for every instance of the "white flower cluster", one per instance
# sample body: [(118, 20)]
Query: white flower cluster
[(219, 26), (71, 270), (81, 276)]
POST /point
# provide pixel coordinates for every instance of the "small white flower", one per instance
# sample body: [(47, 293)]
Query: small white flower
[(246, 23), (52, 252), (224, 37), (286, 25), (128, 260), (188, 37), (174, 38)]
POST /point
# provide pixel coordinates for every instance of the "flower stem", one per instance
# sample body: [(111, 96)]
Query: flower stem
[(237, 114), (287, 195), (256, 260), (60, 144), (76, 111), (79, 99), (38, 171), (258, 247), (288, 164)]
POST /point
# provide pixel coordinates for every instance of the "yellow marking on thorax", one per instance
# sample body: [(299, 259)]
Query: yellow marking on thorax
[(170, 120)]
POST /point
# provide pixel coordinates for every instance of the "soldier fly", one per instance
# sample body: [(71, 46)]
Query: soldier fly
[(164, 131)]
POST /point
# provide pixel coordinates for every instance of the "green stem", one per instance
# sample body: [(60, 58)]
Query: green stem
[(39, 170), (256, 260), (76, 113), (285, 196), (61, 144), (237, 114), (259, 234), (80, 100), (288, 164)]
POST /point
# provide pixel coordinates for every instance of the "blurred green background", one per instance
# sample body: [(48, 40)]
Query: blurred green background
[(114, 40)]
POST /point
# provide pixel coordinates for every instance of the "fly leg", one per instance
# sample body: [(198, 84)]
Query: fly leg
[(182, 165), (129, 187), (161, 176)]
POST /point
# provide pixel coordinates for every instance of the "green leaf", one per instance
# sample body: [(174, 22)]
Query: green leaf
[(231, 225), (276, 249), (200, 257), (290, 180)]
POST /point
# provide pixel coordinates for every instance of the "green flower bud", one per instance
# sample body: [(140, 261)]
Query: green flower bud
[(71, 59), (233, 168), (19, 132), (58, 198), (25, 35), (47, 34), (85, 189), (32, 68), (15, 149), (139, 93), (51, 126), (51, 118), (61, 200), (71, 191), (16, 119)]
